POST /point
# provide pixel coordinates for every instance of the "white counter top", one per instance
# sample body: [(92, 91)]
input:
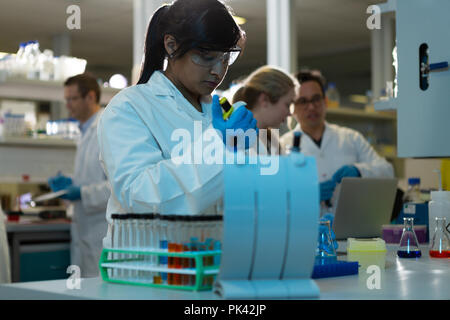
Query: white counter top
[(423, 279)]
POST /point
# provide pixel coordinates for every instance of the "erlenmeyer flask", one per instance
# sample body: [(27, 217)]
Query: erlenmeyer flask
[(440, 246), (409, 246), (325, 248)]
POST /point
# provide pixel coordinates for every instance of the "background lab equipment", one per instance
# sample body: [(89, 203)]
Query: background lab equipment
[(423, 96)]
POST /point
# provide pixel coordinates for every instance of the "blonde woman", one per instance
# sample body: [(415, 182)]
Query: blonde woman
[(269, 93)]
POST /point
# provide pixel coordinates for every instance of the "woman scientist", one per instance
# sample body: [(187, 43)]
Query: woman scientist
[(139, 128), (269, 93)]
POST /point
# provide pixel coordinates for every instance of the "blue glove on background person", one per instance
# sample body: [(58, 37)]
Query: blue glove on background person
[(329, 217), (349, 171), (73, 193), (242, 118), (326, 190), (59, 182)]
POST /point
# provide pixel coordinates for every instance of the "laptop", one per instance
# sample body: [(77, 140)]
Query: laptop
[(363, 206)]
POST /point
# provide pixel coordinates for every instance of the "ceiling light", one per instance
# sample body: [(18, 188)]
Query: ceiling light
[(118, 81)]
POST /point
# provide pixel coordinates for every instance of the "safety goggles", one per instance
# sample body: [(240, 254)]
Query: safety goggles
[(208, 58)]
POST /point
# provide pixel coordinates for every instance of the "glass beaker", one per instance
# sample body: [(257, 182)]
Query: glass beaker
[(440, 245), (409, 245), (325, 247)]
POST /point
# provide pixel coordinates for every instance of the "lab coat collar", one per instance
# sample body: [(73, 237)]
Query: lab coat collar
[(162, 86), (325, 136), (93, 121), (86, 125)]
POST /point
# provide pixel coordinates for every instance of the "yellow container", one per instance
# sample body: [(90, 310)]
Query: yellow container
[(367, 252), (445, 172)]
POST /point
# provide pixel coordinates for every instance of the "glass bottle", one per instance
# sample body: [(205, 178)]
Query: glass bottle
[(440, 245), (409, 245), (413, 194), (325, 251)]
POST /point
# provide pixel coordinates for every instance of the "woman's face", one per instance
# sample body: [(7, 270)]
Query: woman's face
[(198, 72), (274, 114)]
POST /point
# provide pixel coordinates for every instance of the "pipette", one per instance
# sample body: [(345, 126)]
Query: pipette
[(227, 107)]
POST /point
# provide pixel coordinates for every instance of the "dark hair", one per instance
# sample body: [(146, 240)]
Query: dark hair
[(312, 75), (204, 24), (86, 83)]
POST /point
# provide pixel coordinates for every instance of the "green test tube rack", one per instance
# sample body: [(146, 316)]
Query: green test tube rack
[(200, 271)]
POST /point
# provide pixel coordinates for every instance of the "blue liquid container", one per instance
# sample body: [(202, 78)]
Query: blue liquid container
[(409, 254), (409, 246)]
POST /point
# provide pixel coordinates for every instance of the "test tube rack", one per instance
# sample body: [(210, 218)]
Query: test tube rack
[(137, 268)]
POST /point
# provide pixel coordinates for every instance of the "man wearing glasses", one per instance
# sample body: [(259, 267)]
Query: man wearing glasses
[(340, 152)]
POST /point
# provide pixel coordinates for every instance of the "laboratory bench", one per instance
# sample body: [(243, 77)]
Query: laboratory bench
[(403, 279), (39, 249)]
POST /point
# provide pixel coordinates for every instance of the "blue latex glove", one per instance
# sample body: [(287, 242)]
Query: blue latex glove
[(346, 171), (330, 217), (59, 182), (73, 193), (326, 190), (242, 118)]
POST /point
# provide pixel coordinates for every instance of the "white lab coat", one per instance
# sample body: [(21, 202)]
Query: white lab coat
[(5, 267), (135, 138), (88, 222), (341, 146)]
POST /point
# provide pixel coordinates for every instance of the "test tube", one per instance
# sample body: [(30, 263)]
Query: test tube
[(156, 234), (147, 243), (156, 231), (164, 245), (171, 246), (115, 234), (140, 245), (125, 243), (185, 247), (171, 233), (178, 240), (121, 241), (179, 224), (134, 236)]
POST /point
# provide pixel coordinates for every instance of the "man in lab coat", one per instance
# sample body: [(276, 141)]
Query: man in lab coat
[(340, 152), (89, 189)]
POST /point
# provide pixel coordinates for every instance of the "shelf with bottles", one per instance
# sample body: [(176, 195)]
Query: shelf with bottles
[(35, 75), (39, 90)]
